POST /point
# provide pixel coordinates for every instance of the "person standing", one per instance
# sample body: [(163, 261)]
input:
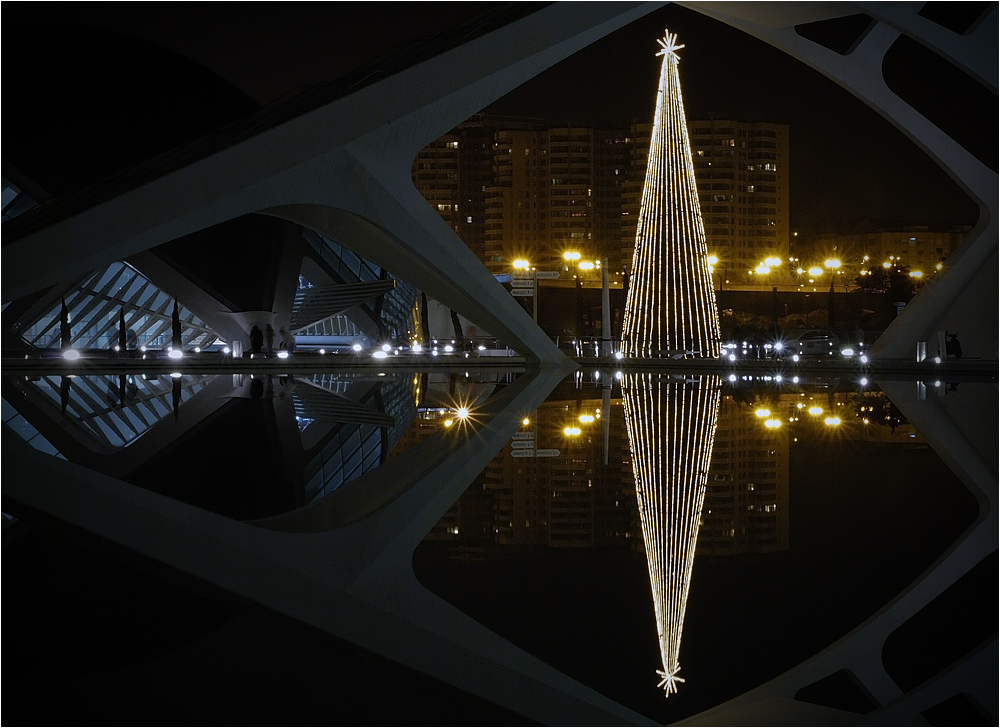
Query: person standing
[(256, 339)]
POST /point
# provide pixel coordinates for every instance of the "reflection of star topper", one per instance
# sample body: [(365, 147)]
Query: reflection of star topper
[(668, 45), (669, 680)]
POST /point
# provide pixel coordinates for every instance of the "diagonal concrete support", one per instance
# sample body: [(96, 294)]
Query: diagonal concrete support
[(348, 155), (964, 296)]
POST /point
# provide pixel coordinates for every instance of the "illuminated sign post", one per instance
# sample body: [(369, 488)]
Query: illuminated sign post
[(520, 286)]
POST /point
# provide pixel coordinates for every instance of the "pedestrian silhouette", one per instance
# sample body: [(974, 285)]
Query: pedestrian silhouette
[(287, 340), (256, 339)]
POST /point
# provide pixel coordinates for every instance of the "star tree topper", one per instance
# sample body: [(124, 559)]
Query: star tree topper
[(668, 45), (669, 680)]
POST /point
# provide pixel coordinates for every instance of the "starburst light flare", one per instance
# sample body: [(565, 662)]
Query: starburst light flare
[(670, 308)]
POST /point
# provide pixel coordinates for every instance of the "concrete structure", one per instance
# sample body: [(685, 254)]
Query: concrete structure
[(344, 170)]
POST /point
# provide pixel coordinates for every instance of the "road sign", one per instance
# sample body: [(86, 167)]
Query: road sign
[(520, 444), (521, 281), (546, 274), (522, 291), (534, 453), (523, 436)]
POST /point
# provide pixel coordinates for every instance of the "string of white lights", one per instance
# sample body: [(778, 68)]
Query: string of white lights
[(671, 431), (670, 306)]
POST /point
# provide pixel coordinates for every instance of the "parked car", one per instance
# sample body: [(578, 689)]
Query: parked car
[(814, 342)]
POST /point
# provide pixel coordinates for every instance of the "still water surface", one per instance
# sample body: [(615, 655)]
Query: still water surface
[(732, 529)]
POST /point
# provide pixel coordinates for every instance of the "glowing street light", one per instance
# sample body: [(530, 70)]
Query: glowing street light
[(712, 260), (814, 410), (815, 271), (772, 424), (571, 431), (832, 263), (586, 418), (521, 264), (763, 412), (832, 421), (571, 255)]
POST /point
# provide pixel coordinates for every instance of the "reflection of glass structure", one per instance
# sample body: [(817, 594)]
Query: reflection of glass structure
[(351, 427), (116, 409), (671, 426), (670, 307), (94, 307)]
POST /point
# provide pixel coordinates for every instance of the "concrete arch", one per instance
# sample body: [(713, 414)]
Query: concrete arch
[(954, 300), (351, 157), (443, 271)]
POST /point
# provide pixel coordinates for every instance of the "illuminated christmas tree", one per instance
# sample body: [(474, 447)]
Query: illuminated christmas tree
[(671, 429), (670, 307)]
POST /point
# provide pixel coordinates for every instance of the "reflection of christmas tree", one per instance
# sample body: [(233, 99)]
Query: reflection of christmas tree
[(671, 428), (671, 302)]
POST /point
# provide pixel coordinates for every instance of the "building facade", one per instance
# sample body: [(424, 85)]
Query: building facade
[(514, 189), (742, 173), (918, 248)]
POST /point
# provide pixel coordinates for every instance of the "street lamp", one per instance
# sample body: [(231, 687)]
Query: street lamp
[(833, 264), (521, 264)]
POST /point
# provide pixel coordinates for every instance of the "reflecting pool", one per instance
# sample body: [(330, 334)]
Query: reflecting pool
[(646, 533)]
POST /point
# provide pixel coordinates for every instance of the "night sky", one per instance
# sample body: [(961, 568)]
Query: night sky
[(851, 170)]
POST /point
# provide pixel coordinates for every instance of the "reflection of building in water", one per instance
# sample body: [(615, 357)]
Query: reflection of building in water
[(571, 499), (746, 499), (670, 426)]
